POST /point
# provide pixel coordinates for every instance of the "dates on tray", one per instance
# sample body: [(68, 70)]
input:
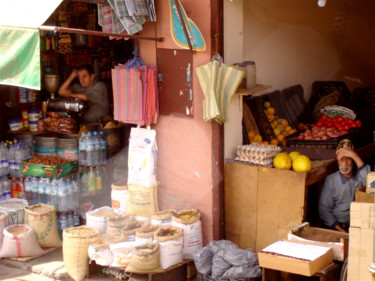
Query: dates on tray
[(47, 160)]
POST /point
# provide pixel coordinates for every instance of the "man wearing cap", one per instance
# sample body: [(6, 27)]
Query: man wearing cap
[(339, 188)]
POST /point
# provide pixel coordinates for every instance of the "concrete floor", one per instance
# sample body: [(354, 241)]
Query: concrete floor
[(47, 267)]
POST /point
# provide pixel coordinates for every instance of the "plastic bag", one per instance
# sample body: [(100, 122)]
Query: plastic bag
[(239, 257), (203, 260), (242, 272), (219, 265), (216, 246)]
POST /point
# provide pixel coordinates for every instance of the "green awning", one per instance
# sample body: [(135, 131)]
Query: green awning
[(19, 40)]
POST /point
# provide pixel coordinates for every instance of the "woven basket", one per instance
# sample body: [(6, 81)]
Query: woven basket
[(76, 242)]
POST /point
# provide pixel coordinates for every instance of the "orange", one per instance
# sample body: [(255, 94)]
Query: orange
[(302, 163), (282, 161), (251, 134), (281, 137), (265, 142), (270, 117), (284, 122), (257, 138), (275, 142), (271, 110), (267, 104), (276, 131)]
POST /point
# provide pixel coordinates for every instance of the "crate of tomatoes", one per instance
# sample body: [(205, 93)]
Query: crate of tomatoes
[(328, 131)]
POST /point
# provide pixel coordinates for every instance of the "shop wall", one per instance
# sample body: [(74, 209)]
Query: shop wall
[(297, 42), (186, 147)]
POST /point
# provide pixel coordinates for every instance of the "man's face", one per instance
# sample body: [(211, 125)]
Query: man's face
[(85, 79), (345, 165)]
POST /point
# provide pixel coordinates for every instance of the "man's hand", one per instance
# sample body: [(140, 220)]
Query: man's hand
[(74, 74), (348, 152), (339, 228), (65, 93)]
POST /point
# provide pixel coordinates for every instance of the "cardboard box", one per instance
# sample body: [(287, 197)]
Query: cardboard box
[(362, 215), (295, 265), (338, 241), (49, 171), (362, 196)]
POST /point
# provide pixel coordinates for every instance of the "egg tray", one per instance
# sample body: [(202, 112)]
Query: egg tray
[(259, 154)]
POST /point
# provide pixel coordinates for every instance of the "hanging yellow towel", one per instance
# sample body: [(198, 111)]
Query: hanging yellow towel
[(218, 82)]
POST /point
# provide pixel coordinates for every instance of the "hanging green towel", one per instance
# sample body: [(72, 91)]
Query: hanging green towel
[(218, 82)]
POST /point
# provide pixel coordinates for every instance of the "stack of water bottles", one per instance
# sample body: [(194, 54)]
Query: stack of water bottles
[(11, 155), (61, 193), (92, 154), (92, 149)]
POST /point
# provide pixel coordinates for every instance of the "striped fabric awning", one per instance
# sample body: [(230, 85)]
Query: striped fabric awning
[(218, 82), (92, 1)]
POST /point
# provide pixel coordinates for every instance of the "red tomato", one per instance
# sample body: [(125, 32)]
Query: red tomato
[(340, 128), (358, 123), (339, 118), (320, 123), (349, 121), (346, 127), (324, 117)]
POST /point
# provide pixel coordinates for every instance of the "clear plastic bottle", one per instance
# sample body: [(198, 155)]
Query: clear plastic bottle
[(90, 147), (18, 157), (97, 148), (11, 160), (29, 189), (4, 161), (75, 193), (29, 150), (42, 191), (82, 149), (103, 148), (2, 158), (34, 189), (91, 185), (48, 192), (83, 182), (54, 194), (99, 179), (76, 221), (70, 219), (16, 188), (63, 221), (69, 194), (1, 188), (6, 188), (61, 191)]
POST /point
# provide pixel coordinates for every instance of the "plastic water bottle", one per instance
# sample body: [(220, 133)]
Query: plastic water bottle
[(34, 189), (83, 184), (29, 189), (91, 185), (76, 221), (70, 219), (82, 149), (99, 179), (42, 191), (103, 149), (29, 150), (63, 222), (54, 194), (11, 159), (61, 191), (4, 159), (1, 189), (18, 157), (48, 192), (97, 147), (69, 194), (6, 188), (75, 193), (90, 147)]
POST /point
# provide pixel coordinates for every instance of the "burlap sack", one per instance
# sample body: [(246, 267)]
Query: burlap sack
[(19, 241), (143, 201), (145, 234), (130, 229), (115, 224), (171, 243), (76, 242), (42, 219), (98, 218), (145, 259), (4, 222), (163, 217)]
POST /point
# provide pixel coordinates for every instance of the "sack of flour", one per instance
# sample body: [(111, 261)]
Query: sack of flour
[(4, 221), (163, 218), (115, 224), (171, 243), (130, 229), (142, 201), (143, 155), (98, 218), (145, 234), (190, 223), (19, 241)]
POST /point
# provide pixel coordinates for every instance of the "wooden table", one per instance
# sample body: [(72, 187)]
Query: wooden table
[(262, 204)]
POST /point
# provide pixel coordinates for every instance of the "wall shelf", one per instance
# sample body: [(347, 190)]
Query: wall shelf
[(252, 91)]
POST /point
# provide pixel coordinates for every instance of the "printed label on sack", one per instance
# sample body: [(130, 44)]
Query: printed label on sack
[(115, 204)]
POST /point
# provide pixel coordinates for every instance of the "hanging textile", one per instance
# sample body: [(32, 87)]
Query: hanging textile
[(126, 15), (218, 82), (135, 95), (92, 1)]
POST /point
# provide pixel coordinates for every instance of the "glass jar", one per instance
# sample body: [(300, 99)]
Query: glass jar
[(251, 74), (242, 66)]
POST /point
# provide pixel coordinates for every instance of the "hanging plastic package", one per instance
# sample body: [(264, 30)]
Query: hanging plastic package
[(143, 155)]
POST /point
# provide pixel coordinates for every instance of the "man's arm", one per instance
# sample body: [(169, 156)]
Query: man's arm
[(64, 88), (348, 152), (81, 96)]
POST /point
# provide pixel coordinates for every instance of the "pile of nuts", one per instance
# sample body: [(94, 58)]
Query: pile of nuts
[(258, 153), (47, 160)]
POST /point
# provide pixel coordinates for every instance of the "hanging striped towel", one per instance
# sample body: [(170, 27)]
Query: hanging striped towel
[(218, 82)]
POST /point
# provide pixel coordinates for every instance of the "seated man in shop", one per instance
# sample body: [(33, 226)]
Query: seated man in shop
[(339, 188), (88, 89)]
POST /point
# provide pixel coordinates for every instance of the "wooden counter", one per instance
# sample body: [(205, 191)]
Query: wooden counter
[(262, 204)]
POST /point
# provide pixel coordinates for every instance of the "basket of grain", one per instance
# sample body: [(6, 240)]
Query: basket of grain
[(19, 241), (15, 208), (98, 218), (42, 219), (76, 241)]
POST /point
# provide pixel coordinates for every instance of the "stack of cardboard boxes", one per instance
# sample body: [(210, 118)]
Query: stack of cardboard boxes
[(361, 240)]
